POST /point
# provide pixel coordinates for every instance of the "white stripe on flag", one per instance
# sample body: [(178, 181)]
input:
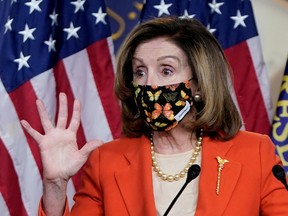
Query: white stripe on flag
[(83, 86), (70, 193), (261, 73), (233, 95), (16, 144), (44, 86), (3, 206), (111, 50)]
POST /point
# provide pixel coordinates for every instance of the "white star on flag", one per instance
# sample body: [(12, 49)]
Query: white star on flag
[(27, 33), (215, 7), (100, 16), (8, 25), (72, 31), (12, 1), (53, 17), (187, 15), (78, 5), (211, 30), (22, 61), (163, 8), (239, 20), (34, 5), (51, 44)]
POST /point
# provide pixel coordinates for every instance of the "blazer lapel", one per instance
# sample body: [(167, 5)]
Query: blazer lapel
[(135, 180), (137, 189), (209, 203)]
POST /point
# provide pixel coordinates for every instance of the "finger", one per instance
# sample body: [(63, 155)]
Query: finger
[(90, 146), (45, 121), (63, 111), (33, 133), (75, 120)]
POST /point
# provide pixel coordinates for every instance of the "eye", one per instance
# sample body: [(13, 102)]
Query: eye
[(167, 71), (138, 72)]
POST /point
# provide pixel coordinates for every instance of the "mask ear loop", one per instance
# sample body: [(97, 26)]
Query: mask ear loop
[(137, 115)]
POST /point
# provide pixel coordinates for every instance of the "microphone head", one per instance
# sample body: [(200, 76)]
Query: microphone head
[(278, 172), (193, 172)]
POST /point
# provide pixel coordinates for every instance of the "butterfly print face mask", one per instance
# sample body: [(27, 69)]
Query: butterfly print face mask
[(163, 107)]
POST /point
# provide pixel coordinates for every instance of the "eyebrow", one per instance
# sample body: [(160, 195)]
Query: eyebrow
[(159, 59), (138, 59), (169, 56)]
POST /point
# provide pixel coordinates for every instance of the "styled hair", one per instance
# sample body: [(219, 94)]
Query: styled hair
[(218, 115)]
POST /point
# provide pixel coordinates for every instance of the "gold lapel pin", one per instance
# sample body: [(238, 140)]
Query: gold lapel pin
[(221, 163)]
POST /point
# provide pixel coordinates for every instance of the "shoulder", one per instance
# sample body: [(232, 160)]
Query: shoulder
[(244, 139), (121, 146), (248, 135), (117, 155), (252, 138), (254, 145)]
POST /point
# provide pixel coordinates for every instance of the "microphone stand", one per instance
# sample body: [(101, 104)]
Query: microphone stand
[(175, 199), (193, 172), (279, 173)]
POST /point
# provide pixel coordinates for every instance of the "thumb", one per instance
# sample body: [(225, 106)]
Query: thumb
[(90, 146)]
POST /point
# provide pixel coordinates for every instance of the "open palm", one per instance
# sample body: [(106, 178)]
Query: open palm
[(59, 151)]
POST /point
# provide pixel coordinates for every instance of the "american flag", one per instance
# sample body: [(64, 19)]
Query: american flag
[(279, 132), (47, 47), (232, 23)]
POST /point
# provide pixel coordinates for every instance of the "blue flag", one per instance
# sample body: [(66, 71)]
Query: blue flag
[(123, 18), (279, 132)]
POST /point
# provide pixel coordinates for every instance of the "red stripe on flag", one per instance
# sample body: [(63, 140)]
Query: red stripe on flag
[(63, 85), (248, 92), (102, 69), (9, 184), (24, 101)]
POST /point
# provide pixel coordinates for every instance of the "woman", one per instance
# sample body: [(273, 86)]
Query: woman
[(176, 111)]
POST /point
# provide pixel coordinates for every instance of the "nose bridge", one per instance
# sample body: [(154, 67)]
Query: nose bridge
[(151, 76)]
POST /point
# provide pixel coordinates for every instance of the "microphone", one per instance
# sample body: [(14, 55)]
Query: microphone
[(193, 172), (279, 173)]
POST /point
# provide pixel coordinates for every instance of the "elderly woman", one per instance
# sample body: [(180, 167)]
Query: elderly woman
[(177, 111)]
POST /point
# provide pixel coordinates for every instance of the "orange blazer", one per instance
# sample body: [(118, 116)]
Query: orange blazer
[(118, 179)]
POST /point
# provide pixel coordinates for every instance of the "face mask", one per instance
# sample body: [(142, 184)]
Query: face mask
[(163, 107)]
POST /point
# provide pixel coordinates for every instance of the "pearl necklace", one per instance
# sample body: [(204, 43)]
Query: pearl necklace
[(176, 177)]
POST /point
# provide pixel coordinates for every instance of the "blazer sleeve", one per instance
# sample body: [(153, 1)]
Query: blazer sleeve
[(42, 213), (88, 199), (274, 196)]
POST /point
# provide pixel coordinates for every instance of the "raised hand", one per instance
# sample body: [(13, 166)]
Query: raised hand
[(60, 155)]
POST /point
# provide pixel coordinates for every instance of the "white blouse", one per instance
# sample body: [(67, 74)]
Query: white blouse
[(164, 191)]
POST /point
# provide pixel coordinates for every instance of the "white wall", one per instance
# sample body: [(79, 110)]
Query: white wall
[(272, 23)]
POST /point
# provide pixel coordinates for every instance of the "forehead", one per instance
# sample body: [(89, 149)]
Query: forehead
[(157, 48)]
